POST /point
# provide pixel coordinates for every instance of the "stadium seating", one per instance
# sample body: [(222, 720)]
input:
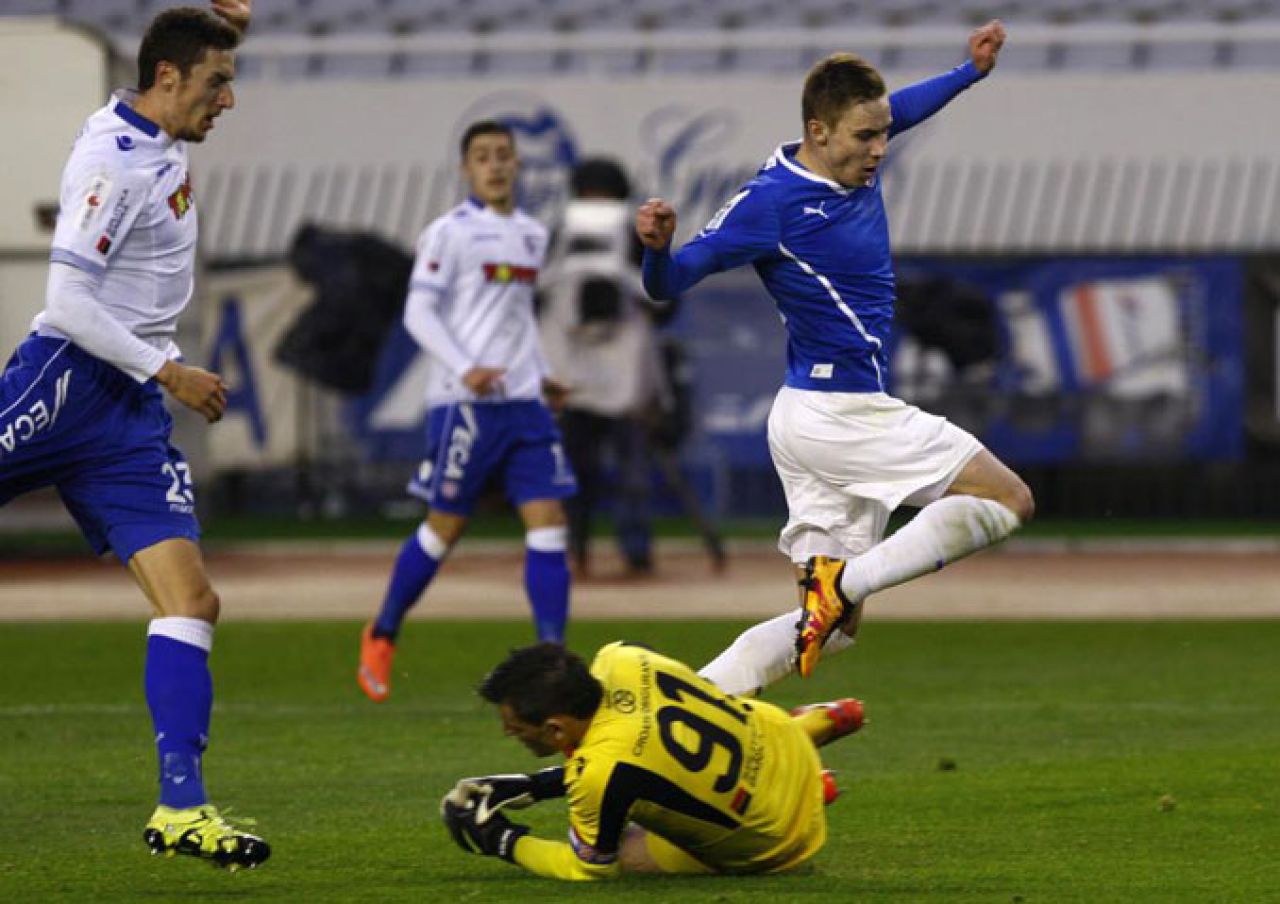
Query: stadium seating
[(727, 34)]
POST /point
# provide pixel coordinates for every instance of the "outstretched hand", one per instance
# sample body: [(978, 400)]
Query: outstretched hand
[(985, 43), (495, 837), (489, 794), (655, 223)]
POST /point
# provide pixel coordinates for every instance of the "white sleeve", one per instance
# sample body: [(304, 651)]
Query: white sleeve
[(434, 270), (423, 321), (72, 308), (99, 205)]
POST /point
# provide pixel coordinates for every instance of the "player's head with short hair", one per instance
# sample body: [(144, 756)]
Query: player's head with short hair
[(181, 36), (543, 692), (835, 84), (185, 69), (846, 115), (490, 163), (542, 681), (485, 127)]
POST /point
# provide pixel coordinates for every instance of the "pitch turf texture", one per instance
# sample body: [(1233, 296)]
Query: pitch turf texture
[(1003, 762)]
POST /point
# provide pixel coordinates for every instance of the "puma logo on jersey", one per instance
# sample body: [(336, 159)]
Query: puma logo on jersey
[(818, 210)]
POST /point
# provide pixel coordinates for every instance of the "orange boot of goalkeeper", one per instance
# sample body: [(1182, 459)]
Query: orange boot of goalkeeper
[(830, 790), (828, 722), (374, 674)]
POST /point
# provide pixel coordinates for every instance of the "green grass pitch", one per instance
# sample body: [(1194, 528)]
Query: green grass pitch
[(1033, 762)]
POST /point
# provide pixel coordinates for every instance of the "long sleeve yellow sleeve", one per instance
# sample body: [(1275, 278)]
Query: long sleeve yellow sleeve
[(556, 860)]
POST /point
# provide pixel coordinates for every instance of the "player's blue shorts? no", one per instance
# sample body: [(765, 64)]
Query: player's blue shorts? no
[(470, 442), (74, 422)]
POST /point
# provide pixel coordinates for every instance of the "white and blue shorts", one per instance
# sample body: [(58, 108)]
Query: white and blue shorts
[(470, 444)]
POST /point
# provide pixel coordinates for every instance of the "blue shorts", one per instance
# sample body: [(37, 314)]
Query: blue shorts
[(71, 421), (468, 443)]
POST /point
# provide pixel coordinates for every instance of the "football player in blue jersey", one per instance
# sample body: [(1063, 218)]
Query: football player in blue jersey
[(812, 223), (81, 401)]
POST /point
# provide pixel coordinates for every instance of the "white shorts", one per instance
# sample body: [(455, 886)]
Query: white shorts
[(847, 460)]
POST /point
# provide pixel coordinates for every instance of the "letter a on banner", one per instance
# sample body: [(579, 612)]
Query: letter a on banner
[(242, 393)]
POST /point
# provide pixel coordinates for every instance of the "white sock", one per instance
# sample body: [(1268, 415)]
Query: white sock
[(762, 655), (430, 543), (547, 539), (194, 631), (943, 531)]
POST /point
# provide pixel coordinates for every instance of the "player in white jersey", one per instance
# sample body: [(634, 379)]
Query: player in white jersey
[(81, 406), (470, 307), (813, 224)]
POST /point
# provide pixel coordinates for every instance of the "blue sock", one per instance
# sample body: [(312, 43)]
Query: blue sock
[(180, 695), (419, 559), (546, 579)]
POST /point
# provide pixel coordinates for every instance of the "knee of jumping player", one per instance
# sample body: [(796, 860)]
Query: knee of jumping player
[(1019, 500)]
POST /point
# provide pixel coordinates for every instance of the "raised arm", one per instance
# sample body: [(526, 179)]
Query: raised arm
[(664, 279), (916, 103), (744, 229)]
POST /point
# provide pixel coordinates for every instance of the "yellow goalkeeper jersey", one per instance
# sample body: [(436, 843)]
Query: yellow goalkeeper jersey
[(734, 784)]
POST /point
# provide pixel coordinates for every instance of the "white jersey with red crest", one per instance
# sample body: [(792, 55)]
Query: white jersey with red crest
[(127, 217), (480, 270)]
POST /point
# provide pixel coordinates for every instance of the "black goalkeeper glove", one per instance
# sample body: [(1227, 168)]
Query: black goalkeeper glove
[(492, 793), (496, 837)]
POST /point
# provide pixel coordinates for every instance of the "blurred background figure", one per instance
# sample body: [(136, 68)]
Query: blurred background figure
[(599, 333)]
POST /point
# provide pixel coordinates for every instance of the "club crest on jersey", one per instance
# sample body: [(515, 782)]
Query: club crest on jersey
[(181, 200), (104, 245), (505, 274)]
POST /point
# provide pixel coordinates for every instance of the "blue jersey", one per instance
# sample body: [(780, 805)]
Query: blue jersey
[(822, 251)]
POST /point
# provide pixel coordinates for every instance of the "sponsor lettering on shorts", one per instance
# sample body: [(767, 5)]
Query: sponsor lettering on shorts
[(36, 418), (461, 441)]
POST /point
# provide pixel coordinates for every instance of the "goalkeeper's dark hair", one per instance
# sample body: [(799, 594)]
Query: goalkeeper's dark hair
[(485, 127), (837, 83), (181, 36), (542, 681)]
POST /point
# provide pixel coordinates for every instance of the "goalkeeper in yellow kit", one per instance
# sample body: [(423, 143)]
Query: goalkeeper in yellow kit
[(663, 772)]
